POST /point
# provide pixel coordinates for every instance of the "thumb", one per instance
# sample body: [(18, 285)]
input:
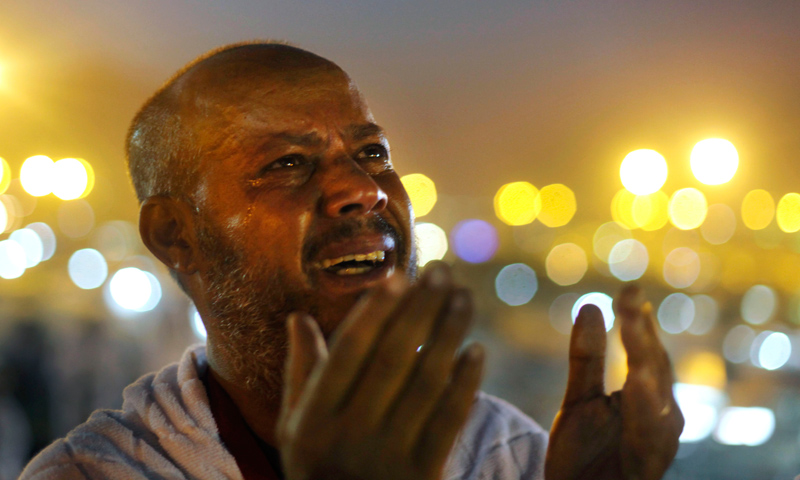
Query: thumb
[(307, 348)]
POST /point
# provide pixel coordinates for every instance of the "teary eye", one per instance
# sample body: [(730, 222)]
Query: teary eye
[(287, 161), (373, 152)]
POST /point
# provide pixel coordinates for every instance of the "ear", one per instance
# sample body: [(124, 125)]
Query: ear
[(167, 229)]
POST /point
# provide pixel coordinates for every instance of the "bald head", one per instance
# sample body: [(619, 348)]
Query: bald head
[(162, 145)]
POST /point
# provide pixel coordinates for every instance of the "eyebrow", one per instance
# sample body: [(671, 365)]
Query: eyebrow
[(355, 132)]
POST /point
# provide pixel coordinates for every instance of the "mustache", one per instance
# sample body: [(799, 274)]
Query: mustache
[(351, 228)]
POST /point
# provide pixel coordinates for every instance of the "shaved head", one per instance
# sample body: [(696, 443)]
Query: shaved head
[(162, 149)]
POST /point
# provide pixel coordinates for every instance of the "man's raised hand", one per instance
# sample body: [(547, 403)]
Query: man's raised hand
[(632, 433), (373, 406)]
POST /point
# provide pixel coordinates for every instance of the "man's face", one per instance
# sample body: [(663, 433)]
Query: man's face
[(299, 208)]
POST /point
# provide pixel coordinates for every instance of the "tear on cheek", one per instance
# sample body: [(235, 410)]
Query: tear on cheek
[(234, 222)]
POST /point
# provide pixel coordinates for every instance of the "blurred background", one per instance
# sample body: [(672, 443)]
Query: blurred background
[(553, 151)]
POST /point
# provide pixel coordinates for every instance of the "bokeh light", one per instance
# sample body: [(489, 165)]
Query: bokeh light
[(116, 239), (431, 242), (32, 245), (650, 212), (676, 313), (788, 213), (719, 225), (751, 426), (5, 175), (602, 301), (516, 284), (687, 208), (606, 237), (758, 208), (773, 351), (422, 192), (87, 268), (135, 289), (643, 172), (72, 178), (36, 175), (700, 405), (681, 267), (11, 211), (703, 368), (48, 238), (714, 161), (737, 342), (12, 259), (566, 264), (557, 205), (75, 218), (560, 312), (474, 241), (622, 208), (628, 260), (517, 203), (758, 304), (196, 323), (706, 314)]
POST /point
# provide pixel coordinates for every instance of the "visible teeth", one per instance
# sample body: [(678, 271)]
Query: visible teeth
[(376, 256), (353, 271)]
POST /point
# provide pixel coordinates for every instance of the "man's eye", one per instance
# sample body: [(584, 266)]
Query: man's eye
[(373, 152), (287, 161)]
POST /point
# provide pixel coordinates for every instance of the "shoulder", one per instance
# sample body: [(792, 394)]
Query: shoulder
[(498, 442), (165, 430)]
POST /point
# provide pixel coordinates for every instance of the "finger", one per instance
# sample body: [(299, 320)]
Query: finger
[(647, 358), (352, 343), (413, 406), (436, 439), (587, 356), (396, 352), (306, 349)]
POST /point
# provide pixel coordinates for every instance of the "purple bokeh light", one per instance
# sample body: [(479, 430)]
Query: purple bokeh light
[(474, 241)]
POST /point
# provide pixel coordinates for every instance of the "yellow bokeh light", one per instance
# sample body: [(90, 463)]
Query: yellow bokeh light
[(788, 213), (650, 212), (622, 208), (90, 177), (714, 161), (720, 224), (702, 368), (566, 264), (681, 267), (5, 175), (36, 175), (3, 217), (72, 178), (687, 208), (517, 203), (758, 208), (558, 205), (606, 236), (643, 172), (422, 192)]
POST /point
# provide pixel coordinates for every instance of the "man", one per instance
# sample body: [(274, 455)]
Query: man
[(268, 190)]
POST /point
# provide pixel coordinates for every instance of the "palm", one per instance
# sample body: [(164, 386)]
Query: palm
[(630, 434)]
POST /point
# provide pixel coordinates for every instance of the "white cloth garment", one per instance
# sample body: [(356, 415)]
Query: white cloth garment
[(165, 430)]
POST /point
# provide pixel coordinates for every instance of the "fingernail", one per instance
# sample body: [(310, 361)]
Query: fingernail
[(460, 300), (437, 275), (474, 351)]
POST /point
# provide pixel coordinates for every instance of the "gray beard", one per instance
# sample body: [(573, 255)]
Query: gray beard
[(250, 307)]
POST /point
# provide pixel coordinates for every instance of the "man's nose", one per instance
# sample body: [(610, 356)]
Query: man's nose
[(348, 190)]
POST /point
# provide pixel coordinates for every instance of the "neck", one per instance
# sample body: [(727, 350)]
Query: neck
[(259, 412)]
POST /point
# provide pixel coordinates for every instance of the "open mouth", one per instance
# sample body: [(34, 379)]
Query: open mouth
[(355, 264)]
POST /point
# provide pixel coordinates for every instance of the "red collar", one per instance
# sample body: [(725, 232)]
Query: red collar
[(256, 459)]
